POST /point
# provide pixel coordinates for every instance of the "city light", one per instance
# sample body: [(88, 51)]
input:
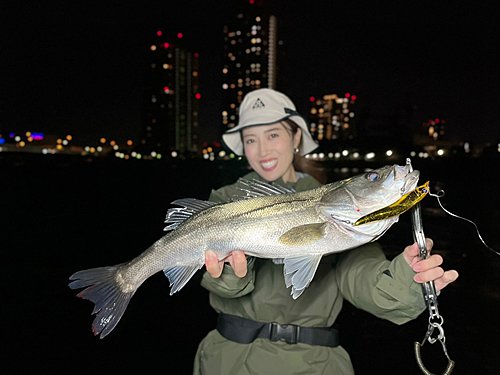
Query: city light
[(174, 154), (103, 140), (440, 152), (345, 153), (129, 142), (159, 33), (370, 155), (37, 136), (388, 152), (179, 35)]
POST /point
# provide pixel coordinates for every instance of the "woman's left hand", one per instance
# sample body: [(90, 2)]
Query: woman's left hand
[(428, 269)]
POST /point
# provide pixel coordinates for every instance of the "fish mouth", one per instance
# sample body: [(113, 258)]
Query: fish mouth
[(397, 208), (402, 178)]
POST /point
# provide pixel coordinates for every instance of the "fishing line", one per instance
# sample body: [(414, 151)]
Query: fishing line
[(440, 194)]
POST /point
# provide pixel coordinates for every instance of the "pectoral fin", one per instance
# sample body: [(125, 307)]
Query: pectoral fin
[(299, 271), (303, 235)]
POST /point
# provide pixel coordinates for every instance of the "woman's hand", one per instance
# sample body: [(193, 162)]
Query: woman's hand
[(428, 270), (236, 259)]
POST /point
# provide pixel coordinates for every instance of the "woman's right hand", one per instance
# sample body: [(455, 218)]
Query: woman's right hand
[(236, 259)]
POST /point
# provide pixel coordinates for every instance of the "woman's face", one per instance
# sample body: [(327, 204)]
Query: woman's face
[(270, 149)]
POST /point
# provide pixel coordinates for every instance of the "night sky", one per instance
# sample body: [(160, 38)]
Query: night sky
[(81, 69)]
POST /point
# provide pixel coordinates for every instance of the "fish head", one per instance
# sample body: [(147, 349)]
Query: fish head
[(347, 201)]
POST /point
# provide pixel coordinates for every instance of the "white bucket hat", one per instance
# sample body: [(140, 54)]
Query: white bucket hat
[(265, 107)]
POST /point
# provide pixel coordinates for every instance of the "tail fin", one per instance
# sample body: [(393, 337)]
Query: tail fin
[(110, 302)]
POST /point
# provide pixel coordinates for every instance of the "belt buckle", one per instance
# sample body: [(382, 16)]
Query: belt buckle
[(288, 332)]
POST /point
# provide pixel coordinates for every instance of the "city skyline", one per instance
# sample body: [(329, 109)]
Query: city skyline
[(86, 76)]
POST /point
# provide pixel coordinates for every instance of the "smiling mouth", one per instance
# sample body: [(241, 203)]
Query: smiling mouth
[(269, 165)]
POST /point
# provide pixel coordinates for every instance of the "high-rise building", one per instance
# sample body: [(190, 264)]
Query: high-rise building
[(332, 117), (250, 57), (173, 98), (434, 128)]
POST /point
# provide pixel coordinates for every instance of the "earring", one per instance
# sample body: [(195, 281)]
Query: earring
[(296, 151)]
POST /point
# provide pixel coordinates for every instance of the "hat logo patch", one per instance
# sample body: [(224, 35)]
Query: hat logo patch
[(258, 104)]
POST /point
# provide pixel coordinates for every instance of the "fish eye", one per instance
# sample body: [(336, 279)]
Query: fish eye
[(372, 176)]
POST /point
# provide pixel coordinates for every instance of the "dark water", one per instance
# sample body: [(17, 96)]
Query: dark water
[(58, 216)]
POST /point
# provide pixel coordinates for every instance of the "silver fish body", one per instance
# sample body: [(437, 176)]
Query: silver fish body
[(297, 228)]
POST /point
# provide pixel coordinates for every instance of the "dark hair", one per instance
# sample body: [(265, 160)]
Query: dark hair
[(306, 165)]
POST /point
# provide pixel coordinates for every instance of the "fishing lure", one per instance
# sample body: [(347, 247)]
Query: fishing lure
[(406, 202)]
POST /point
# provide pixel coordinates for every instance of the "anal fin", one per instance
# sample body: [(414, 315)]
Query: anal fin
[(299, 272), (180, 275)]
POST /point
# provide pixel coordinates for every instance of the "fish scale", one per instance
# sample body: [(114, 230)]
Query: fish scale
[(296, 229)]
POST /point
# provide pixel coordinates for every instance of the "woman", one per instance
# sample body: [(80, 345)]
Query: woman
[(257, 328)]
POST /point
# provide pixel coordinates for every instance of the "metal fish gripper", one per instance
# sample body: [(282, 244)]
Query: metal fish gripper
[(430, 295)]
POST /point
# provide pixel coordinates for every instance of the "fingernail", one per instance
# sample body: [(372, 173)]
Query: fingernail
[(417, 268), (417, 279)]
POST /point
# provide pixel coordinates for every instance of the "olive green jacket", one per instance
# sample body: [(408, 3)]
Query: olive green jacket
[(363, 276)]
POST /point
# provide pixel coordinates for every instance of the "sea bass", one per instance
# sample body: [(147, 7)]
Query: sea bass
[(293, 228)]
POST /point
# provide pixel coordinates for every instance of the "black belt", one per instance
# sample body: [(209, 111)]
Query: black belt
[(245, 331)]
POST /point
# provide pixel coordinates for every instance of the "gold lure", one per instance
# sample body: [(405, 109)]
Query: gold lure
[(406, 202)]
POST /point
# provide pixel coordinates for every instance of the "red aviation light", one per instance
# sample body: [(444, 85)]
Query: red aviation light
[(353, 97), (166, 89), (437, 121), (312, 98), (179, 35), (347, 95), (198, 95), (166, 45), (196, 54), (159, 33), (252, 1)]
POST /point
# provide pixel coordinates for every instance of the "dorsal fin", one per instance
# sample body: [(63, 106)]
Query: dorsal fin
[(191, 206), (255, 188)]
